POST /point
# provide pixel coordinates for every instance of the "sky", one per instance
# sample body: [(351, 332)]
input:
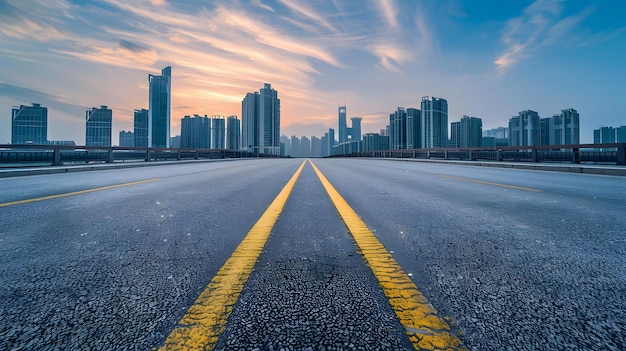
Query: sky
[(489, 59)]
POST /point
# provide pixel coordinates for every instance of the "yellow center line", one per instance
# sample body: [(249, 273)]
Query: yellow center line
[(205, 320), (77, 192), (491, 183), (425, 329)]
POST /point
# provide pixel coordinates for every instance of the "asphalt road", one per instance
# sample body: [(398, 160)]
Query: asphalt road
[(516, 260)]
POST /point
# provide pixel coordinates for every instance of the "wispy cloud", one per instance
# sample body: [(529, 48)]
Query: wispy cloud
[(388, 11), (541, 25), (260, 4), (307, 12)]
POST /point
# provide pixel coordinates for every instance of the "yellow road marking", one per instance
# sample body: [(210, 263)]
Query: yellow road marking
[(491, 183), (425, 329), (205, 320), (77, 192)]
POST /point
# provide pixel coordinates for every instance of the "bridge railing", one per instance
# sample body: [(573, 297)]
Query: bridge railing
[(57, 155), (613, 153)]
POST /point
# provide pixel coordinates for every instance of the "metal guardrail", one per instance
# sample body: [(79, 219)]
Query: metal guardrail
[(614, 153), (57, 155)]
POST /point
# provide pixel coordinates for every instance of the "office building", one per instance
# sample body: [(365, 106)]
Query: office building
[(159, 103), (233, 130), (343, 127), (140, 127), (355, 130), (127, 138), (260, 121), (413, 128), (98, 126), (561, 129), (218, 133), (195, 132), (434, 122), (175, 142), (525, 129), (29, 124)]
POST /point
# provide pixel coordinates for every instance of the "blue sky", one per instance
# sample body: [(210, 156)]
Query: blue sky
[(489, 59)]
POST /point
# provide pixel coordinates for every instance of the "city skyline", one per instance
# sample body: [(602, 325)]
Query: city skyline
[(542, 55)]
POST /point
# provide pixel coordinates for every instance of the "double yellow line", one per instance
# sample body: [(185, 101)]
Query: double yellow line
[(200, 327)]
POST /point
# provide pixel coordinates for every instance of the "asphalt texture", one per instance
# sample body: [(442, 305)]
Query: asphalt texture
[(117, 269)]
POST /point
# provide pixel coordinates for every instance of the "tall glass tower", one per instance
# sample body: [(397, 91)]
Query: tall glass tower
[(29, 124), (343, 126), (160, 95), (98, 126), (260, 121), (434, 122)]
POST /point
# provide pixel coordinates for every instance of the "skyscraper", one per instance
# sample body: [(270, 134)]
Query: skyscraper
[(260, 120), (434, 122), (195, 132), (233, 128), (29, 124), (159, 108), (455, 134), (413, 127), (355, 130), (218, 133), (141, 128), (397, 129), (98, 123), (471, 132), (343, 126), (525, 129), (621, 134)]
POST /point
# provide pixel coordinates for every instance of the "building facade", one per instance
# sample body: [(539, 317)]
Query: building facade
[(604, 135), (195, 132), (127, 138), (525, 129), (260, 121), (343, 125), (159, 103), (375, 141), (397, 129), (98, 126), (434, 122), (233, 130), (29, 124), (355, 130), (218, 132), (140, 127), (413, 128)]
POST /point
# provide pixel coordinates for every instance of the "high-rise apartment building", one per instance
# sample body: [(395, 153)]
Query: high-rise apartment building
[(260, 121), (413, 128), (218, 133), (525, 129), (29, 124), (160, 95), (233, 130), (455, 134), (195, 132), (140, 127), (98, 126), (375, 141), (434, 122), (471, 132), (621, 134), (397, 129), (127, 138), (604, 135)]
